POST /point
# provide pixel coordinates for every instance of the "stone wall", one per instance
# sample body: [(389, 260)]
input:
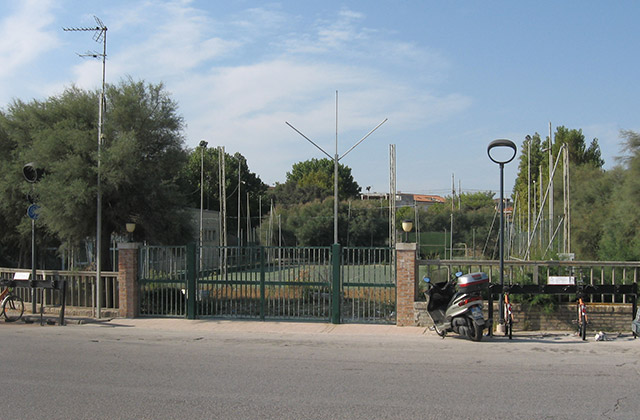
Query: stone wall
[(601, 317)]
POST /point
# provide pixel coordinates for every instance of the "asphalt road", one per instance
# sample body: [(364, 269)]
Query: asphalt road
[(120, 370)]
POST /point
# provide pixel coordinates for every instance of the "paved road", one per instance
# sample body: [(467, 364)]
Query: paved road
[(180, 369)]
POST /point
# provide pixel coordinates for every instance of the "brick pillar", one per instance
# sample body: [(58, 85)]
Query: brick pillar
[(128, 279), (406, 272)]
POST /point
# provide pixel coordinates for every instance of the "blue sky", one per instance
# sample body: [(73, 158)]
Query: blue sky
[(449, 76)]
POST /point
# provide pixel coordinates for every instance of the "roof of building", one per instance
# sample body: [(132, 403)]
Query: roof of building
[(428, 198)]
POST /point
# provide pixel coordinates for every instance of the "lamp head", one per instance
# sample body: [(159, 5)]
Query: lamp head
[(502, 151)]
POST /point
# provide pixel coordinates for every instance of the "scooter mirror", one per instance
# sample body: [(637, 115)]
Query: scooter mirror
[(426, 280), (458, 274)]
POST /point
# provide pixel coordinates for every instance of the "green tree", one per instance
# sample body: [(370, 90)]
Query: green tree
[(621, 229), (532, 159), (313, 180), (360, 223), (471, 221), (142, 153), (583, 161), (591, 193), (250, 183), (579, 153)]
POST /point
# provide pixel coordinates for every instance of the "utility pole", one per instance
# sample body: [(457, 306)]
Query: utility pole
[(529, 189), (223, 199), (551, 223), (224, 196), (248, 220), (567, 203), (392, 196), (541, 187), (239, 181), (100, 35), (203, 146)]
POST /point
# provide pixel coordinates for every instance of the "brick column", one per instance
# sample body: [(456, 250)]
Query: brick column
[(406, 272), (128, 279)]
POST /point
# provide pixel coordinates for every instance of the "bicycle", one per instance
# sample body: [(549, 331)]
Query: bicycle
[(12, 305), (582, 309), (508, 317), (582, 319)]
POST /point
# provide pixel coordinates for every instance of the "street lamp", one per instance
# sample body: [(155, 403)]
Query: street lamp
[(130, 228), (501, 151), (407, 225)]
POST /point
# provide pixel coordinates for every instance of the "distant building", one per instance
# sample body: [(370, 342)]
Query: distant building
[(406, 199), (210, 226)]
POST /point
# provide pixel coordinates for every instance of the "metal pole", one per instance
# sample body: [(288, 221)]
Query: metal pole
[(335, 182), (528, 190), (335, 159), (99, 194), (33, 266), (550, 185), (501, 303), (203, 144), (100, 35), (501, 162), (239, 201)]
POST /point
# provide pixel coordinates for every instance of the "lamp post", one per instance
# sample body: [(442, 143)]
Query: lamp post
[(407, 225), (503, 152)]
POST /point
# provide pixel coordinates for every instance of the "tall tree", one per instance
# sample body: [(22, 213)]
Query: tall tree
[(142, 153), (313, 180), (360, 223), (534, 162), (579, 152), (531, 160), (621, 229)]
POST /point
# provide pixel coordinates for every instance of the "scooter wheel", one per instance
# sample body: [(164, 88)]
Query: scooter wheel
[(476, 334)]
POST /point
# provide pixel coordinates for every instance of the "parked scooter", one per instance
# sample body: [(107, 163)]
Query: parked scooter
[(456, 305)]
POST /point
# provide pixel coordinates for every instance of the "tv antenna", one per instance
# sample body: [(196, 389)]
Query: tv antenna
[(336, 158), (99, 35)]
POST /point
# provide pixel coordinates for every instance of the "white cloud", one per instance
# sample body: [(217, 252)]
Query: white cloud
[(237, 78), (245, 109), (25, 35)]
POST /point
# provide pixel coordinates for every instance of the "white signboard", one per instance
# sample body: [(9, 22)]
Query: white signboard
[(561, 280)]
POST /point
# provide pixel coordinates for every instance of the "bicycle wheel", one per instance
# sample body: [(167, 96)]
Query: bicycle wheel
[(508, 320), (13, 308), (583, 326)]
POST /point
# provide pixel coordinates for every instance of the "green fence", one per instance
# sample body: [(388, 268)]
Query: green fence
[(617, 280), (293, 283)]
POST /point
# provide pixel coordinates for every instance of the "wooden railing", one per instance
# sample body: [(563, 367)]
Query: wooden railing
[(80, 291)]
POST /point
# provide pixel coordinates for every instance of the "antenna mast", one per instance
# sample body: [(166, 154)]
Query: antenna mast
[(100, 35), (336, 158)]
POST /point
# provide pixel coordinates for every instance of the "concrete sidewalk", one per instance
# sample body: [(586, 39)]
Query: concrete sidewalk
[(277, 327)]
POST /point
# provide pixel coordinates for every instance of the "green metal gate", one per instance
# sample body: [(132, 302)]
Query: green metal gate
[(162, 278), (288, 283)]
